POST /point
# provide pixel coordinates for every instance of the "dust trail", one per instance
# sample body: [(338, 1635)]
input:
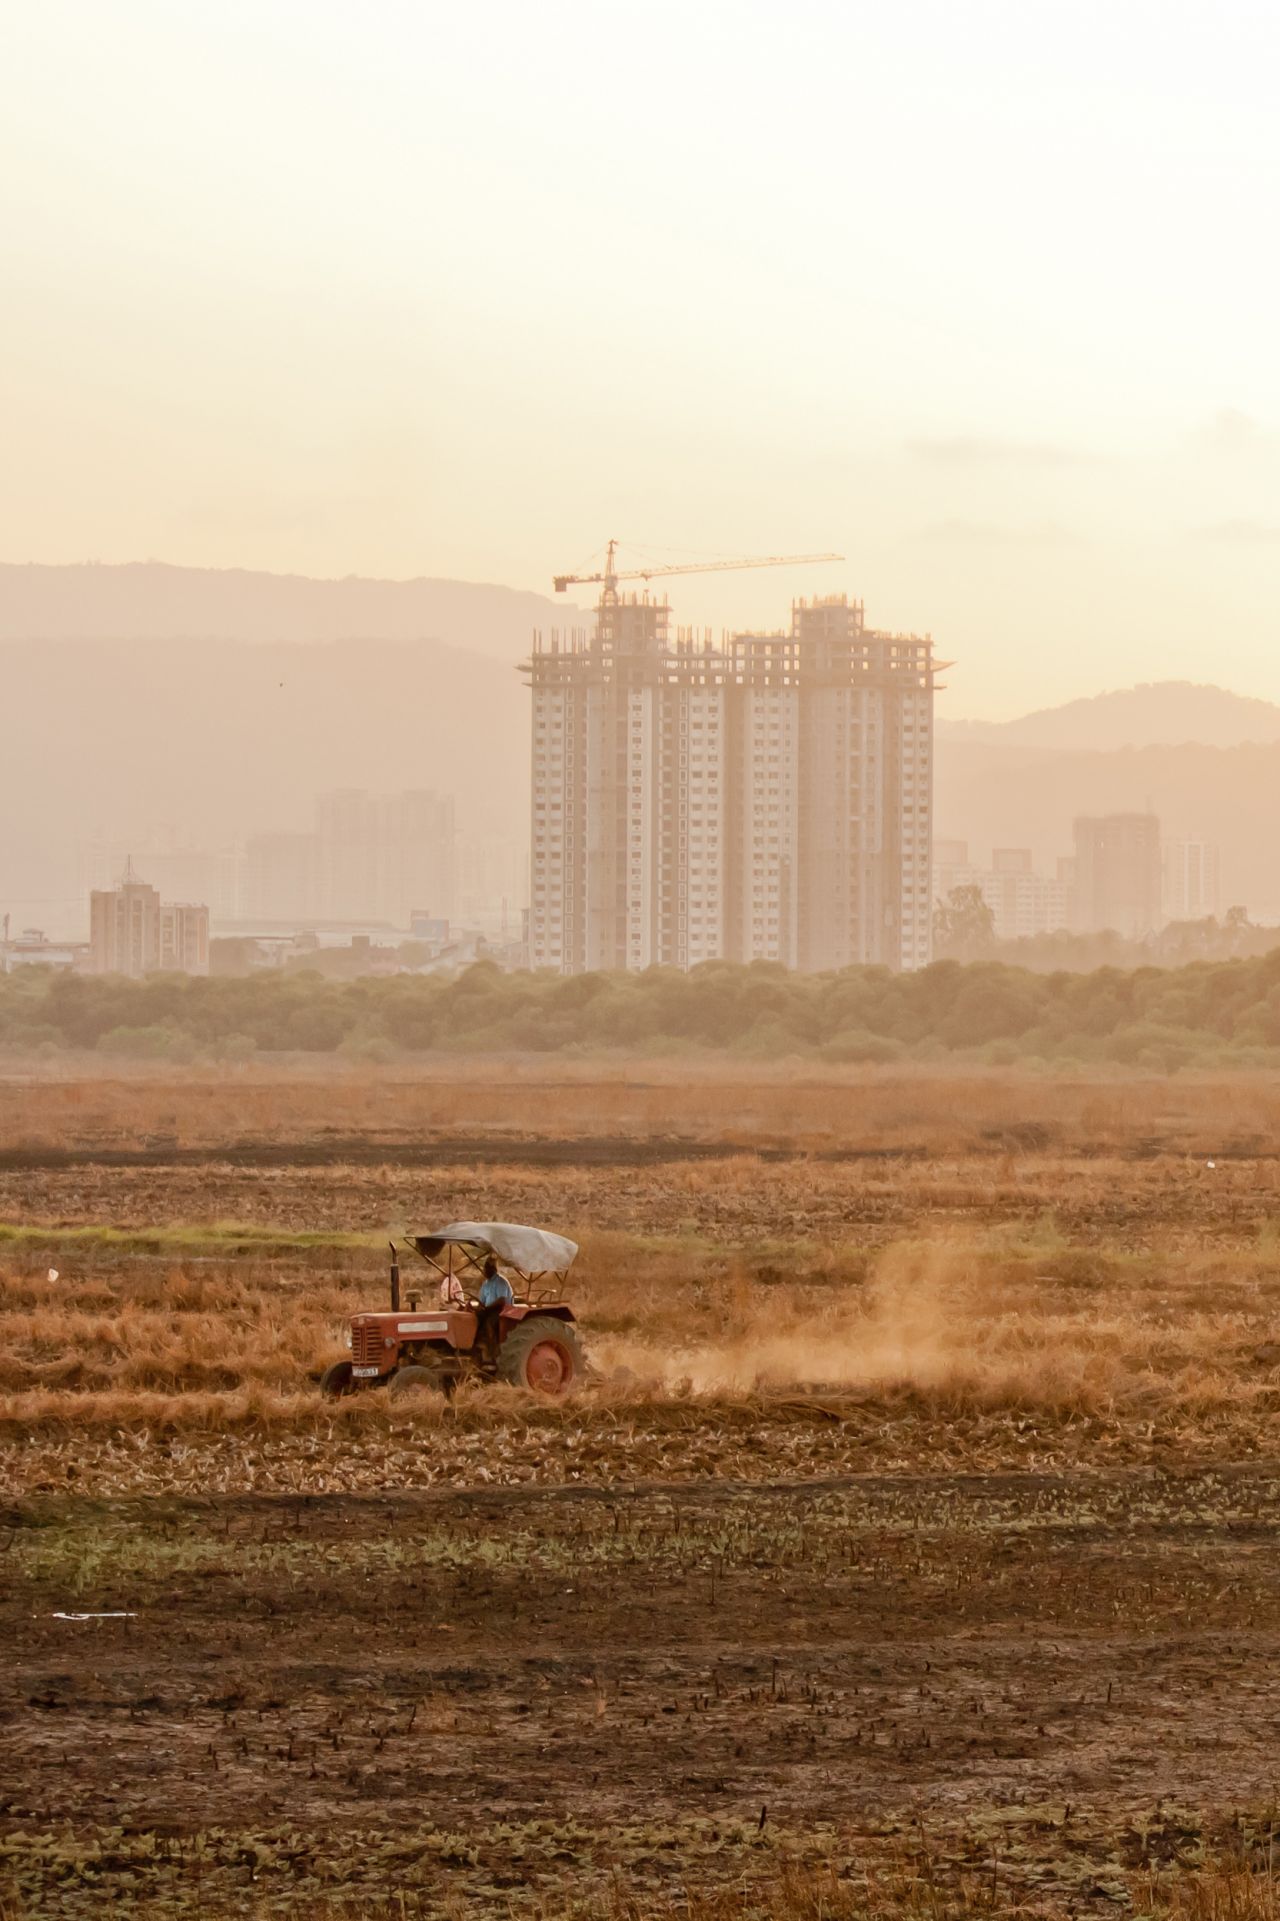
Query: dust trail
[(939, 1316)]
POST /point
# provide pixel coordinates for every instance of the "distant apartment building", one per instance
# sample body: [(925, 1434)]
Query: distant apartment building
[(418, 862), (1022, 902), (492, 880), (281, 880), (769, 798), (133, 932), (1190, 874), (350, 855), (1117, 874), (952, 868), (373, 858), (382, 857)]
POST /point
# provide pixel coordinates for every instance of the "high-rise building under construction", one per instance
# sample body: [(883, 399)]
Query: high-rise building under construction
[(767, 798)]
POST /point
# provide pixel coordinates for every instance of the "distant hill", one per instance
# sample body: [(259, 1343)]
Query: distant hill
[(112, 740), (1156, 714), (148, 600)]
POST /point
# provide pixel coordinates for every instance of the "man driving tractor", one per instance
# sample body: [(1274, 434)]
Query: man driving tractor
[(496, 1292), (495, 1289)]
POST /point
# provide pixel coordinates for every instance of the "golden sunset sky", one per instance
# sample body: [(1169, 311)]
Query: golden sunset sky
[(984, 295)]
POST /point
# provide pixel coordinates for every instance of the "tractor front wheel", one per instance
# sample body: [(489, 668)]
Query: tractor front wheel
[(408, 1382), (543, 1355), (337, 1380)]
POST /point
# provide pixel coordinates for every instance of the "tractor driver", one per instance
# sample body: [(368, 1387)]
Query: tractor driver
[(495, 1293)]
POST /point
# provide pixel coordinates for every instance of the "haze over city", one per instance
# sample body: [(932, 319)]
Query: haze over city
[(973, 297)]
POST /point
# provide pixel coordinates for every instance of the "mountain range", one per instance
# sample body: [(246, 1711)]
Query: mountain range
[(1161, 713), (148, 600)]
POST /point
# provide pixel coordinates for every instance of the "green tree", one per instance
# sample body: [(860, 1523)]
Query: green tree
[(964, 927)]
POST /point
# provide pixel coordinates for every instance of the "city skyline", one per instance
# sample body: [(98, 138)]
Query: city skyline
[(368, 858), (492, 869)]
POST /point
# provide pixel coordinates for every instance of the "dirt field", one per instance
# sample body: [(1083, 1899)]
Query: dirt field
[(924, 1562)]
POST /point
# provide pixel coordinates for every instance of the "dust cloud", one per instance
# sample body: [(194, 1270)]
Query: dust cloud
[(939, 1316)]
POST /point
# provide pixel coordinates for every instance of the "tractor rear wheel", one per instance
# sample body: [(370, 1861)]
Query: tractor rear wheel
[(542, 1354), (408, 1382), (337, 1380)]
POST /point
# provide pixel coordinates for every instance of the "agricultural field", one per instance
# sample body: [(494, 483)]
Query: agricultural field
[(913, 1552)]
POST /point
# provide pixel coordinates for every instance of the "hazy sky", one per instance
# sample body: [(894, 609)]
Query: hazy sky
[(982, 293)]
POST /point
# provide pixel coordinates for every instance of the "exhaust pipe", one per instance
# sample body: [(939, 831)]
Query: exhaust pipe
[(395, 1278)]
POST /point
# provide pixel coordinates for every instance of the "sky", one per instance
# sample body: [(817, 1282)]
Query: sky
[(983, 296)]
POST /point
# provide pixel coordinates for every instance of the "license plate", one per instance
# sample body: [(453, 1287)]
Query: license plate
[(364, 1373)]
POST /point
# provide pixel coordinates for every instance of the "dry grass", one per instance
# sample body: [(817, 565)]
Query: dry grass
[(915, 1893), (1126, 1301), (971, 1349), (771, 1105), (996, 1319), (967, 1880)]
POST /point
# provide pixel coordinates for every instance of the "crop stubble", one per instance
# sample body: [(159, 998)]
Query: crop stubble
[(941, 1489)]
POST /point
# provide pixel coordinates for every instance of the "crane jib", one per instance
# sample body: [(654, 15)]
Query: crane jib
[(611, 576)]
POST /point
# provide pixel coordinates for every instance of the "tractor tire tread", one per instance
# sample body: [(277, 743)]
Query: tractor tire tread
[(533, 1329)]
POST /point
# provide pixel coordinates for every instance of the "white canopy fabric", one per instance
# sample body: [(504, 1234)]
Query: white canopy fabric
[(530, 1249)]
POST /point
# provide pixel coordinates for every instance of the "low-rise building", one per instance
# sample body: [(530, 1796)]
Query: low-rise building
[(33, 948), (133, 932)]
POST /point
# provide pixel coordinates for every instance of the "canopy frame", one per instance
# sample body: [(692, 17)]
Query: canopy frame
[(459, 1251)]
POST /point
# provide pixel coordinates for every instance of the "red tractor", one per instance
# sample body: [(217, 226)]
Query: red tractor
[(526, 1335)]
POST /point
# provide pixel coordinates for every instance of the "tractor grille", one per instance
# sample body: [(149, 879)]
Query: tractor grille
[(366, 1345)]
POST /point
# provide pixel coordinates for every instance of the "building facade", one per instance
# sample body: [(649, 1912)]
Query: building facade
[(282, 877), (768, 798), (1117, 874), (133, 932), (33, 948), (184, 938), (1022, 902), (373, 858), (383, 857), (1192, 888)]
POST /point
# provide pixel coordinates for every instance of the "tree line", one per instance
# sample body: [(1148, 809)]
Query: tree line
[(1205, 1013), (964, 929)]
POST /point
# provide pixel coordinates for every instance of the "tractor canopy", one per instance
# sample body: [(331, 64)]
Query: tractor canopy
[(530, 1250)]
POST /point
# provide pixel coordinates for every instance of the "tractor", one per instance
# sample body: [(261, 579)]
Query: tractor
[(530, 1341)]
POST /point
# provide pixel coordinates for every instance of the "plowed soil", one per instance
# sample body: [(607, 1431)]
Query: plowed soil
[(676, 1658), (1011, 1596)]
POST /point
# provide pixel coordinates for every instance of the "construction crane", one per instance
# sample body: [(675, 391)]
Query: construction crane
[(610, 577)]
